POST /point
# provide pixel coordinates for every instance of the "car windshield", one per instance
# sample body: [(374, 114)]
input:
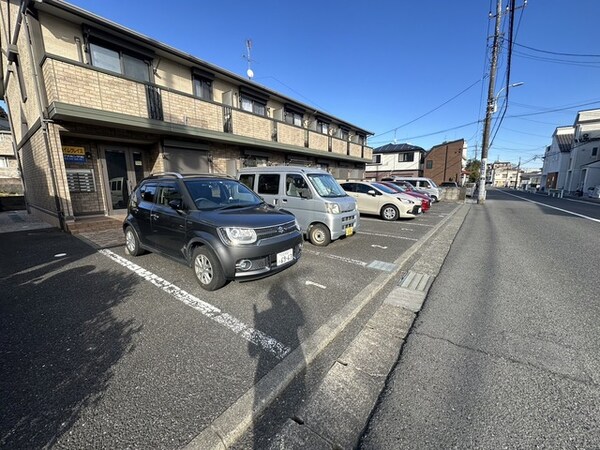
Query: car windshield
[(326, 186), (394, 187), (221, 194), (384, 188), (433, 183)]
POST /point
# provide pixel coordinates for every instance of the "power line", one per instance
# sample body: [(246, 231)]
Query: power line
[(429, 112), (559, 53)]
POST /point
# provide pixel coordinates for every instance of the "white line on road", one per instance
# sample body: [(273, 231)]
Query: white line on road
[(393, 236), (339, 258), (312, 283), (553, 207), (412, 223), (250, 334), (378, 246)]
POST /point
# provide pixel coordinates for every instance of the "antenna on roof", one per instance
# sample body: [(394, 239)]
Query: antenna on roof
[(249, 72)]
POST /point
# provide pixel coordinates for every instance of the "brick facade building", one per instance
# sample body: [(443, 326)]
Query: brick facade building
[(94, 107), (446, 161)]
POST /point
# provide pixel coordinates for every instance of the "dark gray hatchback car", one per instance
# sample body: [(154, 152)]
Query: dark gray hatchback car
[(214, 224)]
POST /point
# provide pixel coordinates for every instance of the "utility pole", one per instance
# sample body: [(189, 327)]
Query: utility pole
[(517, 177), (490, 104)]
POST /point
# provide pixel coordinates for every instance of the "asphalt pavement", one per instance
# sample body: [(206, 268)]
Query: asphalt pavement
[(106, 350), (505, 352)]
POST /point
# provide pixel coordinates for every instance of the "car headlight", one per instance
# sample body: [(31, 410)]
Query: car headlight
[(405, 201), (237, 236), (333, 208), (297, 224)]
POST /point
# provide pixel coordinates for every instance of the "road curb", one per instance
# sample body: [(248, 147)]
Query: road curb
[(228, 427)]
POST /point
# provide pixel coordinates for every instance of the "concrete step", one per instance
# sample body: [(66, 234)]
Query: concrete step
[(94, 224)]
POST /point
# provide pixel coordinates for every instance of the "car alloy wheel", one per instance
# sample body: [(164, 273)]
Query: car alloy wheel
[(207, 269)]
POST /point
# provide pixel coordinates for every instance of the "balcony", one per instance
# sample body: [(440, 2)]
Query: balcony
[(79, 85)]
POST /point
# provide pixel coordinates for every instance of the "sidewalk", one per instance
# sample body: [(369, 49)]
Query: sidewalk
[(11, 221)]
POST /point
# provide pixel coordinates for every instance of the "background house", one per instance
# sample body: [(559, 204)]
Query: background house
[(584, 162), (503, 174), (557, 159), (395, 159), (446, 161)]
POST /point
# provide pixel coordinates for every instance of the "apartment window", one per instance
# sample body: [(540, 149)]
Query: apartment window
[(406, 157), (376, 159), (119, 61), (253, 105), (344, 134), (429, 164), (203, 88), (322, 127), (293, 118), (594, 151), (3, 162)]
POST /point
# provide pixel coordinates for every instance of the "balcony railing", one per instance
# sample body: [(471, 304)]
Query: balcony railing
[(77, 84)]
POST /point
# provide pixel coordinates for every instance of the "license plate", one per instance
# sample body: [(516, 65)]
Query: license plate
[(349, 231), (285, 257)]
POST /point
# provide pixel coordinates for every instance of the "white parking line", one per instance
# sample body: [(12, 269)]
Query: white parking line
[(250, 334), (553, 207), (379, 246), (339, 258), (312, 283), (412, 223), (393, 236)]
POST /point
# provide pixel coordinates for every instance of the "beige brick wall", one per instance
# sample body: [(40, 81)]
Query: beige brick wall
[(318, 141), (339, 146), (288, 134), (186, 110), (356, 150), (80, 86), (246, 124), (37, 173), (223, 153)]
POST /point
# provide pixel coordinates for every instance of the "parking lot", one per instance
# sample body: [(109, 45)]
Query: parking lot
[(184, 355)]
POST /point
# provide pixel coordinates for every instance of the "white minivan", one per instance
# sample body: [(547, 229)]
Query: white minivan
[(421, 183), (323, 209)]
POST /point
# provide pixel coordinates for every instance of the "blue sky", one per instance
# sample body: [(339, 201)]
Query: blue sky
[(383, 64)]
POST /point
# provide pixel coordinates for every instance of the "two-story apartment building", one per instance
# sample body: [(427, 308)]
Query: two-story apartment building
[(446, 161), (584, 163), (94, 107), (395, 159), (557, 158)]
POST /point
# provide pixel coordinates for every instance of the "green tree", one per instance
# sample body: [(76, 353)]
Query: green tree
[(474, 169)]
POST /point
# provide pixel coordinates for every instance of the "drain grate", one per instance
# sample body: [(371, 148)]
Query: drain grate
[(416, 281)]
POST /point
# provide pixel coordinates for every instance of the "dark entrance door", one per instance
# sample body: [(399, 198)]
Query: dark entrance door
[(124, 169)]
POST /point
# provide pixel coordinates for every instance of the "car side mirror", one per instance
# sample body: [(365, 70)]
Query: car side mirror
[(176, 204), (372, 192)]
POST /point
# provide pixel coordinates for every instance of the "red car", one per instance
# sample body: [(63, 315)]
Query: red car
[(425, 199)]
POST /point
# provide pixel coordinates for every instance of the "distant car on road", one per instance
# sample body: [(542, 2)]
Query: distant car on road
[(378, 199), (214, 224)]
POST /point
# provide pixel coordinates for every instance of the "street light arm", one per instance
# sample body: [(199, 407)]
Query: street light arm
[(519, 83)]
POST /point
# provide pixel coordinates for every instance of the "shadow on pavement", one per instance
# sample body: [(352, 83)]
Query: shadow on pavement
[(59, 337)]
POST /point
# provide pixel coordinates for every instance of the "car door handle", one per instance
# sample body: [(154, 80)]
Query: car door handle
[(154, 216), (284, 200)]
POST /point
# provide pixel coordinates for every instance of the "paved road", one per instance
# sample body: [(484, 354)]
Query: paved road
[(506, 351), (103, 350)]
